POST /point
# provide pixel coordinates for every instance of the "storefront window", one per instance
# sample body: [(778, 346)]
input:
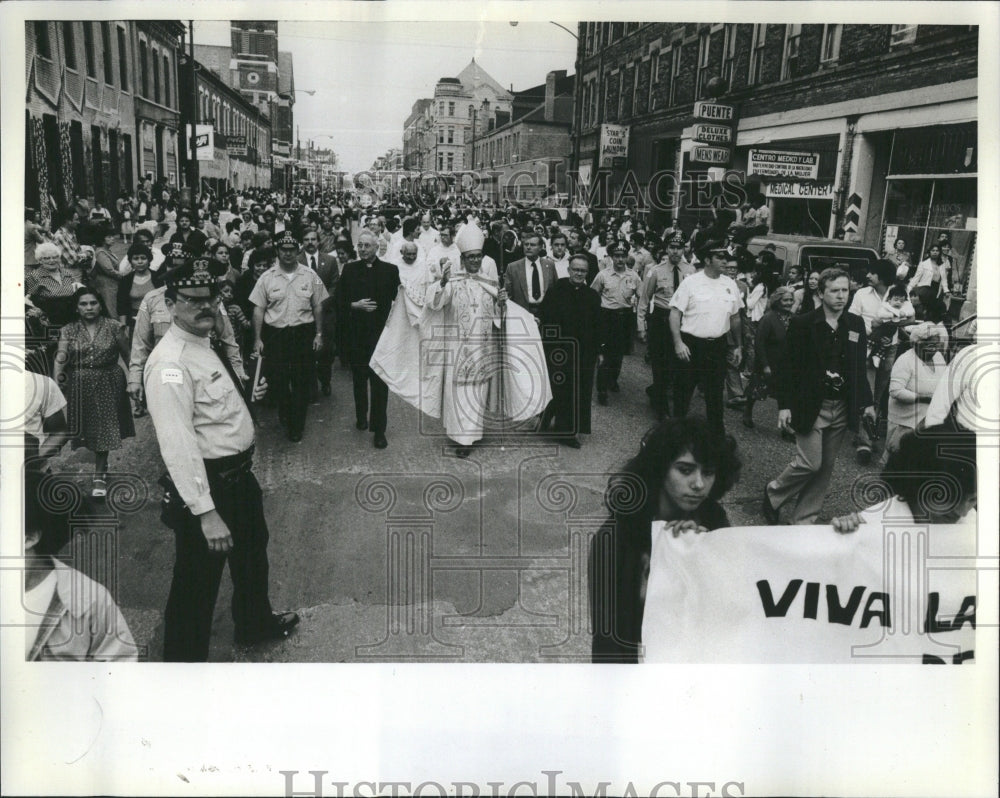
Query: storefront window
[(919, 211)]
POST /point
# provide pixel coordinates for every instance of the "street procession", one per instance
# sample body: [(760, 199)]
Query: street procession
[(525, 373)]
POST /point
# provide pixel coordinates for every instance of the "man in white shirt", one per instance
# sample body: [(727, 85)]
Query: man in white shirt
[(704, 316), (560, 256), (428, 236), (866, 303)]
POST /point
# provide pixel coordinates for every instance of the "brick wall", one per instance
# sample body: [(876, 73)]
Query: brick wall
[(866, 66)]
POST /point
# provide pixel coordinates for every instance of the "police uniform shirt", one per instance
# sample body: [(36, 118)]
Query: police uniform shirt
[(658, 285), (197, 411), (287, 296), (617, 289), (706, 304)]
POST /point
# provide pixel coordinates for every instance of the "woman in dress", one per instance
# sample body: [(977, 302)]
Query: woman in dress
[(769, 349), (682, 471), (88, 372), (105, 276), (901, 259)]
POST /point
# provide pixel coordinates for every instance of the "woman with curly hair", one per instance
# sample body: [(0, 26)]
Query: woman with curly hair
[(680, 474)]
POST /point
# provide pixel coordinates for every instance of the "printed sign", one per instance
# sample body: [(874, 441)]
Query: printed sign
[(204, 142), (806, 594), (713, 134), (614, 144), (712, 155), (775, 163), (713, 111), (787, 188), (236, 145)]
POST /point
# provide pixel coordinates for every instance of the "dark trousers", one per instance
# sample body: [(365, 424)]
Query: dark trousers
[(708, 367), (572, 389), (324, 362), (616, 332), (288, 365), (364, 377), (187, 620), (662, 359)]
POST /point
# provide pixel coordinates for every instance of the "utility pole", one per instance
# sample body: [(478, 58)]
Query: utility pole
[(193, 175)]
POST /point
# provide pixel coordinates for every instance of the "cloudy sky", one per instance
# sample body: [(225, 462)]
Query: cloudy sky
[(367, 75)]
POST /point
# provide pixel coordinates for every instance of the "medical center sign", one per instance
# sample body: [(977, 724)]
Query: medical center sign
[(614, 146)]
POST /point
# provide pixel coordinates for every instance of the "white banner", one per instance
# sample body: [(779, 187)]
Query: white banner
[(886, 593), (204, 142)]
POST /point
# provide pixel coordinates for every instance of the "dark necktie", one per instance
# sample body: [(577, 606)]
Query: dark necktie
[(220, 352), (312, 262), (677, 277), (536, 282)]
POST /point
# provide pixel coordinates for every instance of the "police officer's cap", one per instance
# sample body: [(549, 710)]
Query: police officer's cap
[(676, 240), (712, 248), (175, 251), (287, 240), (618, 248), (196, 273)]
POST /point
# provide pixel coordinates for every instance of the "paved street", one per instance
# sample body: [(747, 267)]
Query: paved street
[(410, 553)]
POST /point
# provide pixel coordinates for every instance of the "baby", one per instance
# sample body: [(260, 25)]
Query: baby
[(894, 311)]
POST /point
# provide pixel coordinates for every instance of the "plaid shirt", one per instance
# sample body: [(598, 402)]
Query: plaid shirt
[(69, 251)]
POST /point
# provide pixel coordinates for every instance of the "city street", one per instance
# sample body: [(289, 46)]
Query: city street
[(410, 553)]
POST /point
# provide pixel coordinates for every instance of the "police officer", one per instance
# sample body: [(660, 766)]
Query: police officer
[(213, 502), (704, 315), (288, 301), (658, 287), (153, 320), (618, 287)]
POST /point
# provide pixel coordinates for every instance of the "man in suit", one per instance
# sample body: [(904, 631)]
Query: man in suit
[(527, 280), (365, 295), (570, 314), (325, 265), (823, 392)]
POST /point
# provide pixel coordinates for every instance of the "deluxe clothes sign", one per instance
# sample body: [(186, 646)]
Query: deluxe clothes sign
[(805, 594), (713, 134), (614, 145), (775, 163), (786, 188)]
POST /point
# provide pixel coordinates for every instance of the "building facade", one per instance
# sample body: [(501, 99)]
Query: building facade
[(526, 157), (93, 125), (241, 132), (157, 105), (438, 129), (880, 121)]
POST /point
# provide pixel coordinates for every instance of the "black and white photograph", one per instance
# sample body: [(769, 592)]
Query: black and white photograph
[(416, 398)]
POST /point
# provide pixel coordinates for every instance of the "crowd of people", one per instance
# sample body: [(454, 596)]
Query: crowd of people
[(247, 300)]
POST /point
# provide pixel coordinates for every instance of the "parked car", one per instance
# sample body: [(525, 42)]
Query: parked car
[(812, 254)]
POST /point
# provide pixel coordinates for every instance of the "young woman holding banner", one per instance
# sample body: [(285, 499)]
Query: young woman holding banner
[(682, 471)]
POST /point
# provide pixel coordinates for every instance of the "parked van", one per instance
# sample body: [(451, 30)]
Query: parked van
[(816, 254)]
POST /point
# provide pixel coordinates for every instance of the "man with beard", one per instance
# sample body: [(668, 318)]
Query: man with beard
[(187, 234), (570, 319)]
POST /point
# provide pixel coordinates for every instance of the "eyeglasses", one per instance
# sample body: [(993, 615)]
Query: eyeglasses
[(201, 301)]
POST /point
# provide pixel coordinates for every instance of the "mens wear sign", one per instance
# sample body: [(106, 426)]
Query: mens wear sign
[(885, 593), (711, 155), (775, 163), (614, 145)]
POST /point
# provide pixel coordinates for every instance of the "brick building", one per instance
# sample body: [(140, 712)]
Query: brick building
[(436, 132), (157, 104), (886, 113), (80, 117), (242, 132), (526, 156)]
